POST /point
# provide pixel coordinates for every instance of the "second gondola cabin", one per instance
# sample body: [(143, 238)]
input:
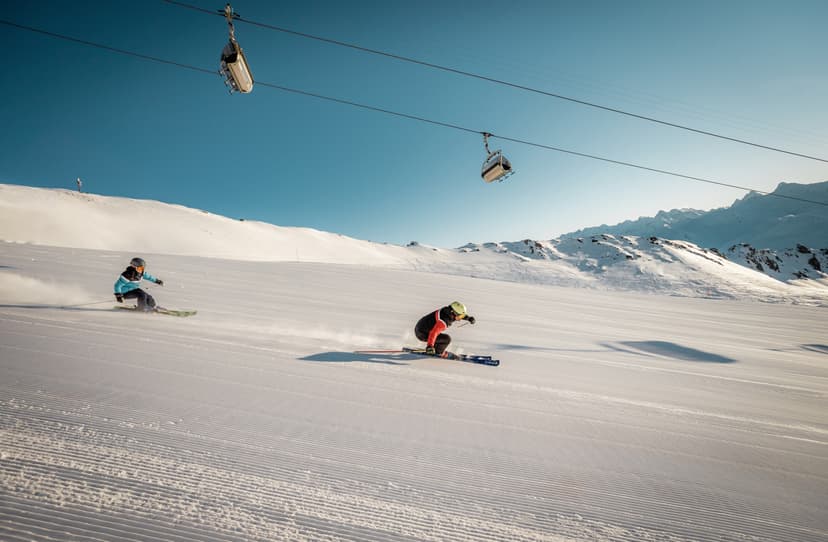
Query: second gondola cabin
[(496, 167)]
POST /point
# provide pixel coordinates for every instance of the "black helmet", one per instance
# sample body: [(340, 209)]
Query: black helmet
[(137, 262)]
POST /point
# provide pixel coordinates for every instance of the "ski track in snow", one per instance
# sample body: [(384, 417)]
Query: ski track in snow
[(255, 422)]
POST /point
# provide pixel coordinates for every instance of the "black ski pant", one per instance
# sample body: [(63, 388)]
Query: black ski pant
[(144, 300), (440, 343)]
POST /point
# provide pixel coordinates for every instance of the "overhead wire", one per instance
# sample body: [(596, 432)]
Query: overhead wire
[(106, 47), (403, 115), (504, 82)]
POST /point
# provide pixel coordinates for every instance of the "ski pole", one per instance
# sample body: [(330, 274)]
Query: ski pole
[(84, 304)]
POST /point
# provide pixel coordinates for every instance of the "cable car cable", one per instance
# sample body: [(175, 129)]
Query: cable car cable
[(406, 115), (107, 47), (506, 83), (655, 170)]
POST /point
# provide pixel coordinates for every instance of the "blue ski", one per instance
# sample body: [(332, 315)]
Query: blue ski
[(482, 360)]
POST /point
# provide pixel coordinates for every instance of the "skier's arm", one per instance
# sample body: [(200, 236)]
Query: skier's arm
[(154, 279)]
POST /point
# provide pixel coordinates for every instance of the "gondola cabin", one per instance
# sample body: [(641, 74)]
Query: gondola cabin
[(496, 167), (234, 68)]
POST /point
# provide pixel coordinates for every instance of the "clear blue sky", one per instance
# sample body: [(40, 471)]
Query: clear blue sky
[(128, 127)]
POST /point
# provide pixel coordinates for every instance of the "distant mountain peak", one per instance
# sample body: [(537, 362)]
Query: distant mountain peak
[(760, 220)]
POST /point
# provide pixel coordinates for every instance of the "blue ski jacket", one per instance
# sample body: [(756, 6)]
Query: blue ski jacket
[(130, 280)]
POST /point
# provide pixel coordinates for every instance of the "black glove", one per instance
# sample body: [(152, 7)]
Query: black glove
[(159, 282), (430, 351), (470, 319), (119, 298)]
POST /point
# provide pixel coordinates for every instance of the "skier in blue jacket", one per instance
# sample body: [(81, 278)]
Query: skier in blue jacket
[(128, 285)]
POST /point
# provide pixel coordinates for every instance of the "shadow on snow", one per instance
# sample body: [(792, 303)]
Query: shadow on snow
[(545, 348), (349, 357), (668, 350), (821, 348)]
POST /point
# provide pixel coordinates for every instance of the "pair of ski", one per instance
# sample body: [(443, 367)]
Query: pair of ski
[(470, 358), (158, 310)]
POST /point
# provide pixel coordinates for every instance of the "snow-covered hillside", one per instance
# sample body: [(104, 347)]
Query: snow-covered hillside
[(783, 237), (797, 263), (613, 417), (69, 219), (64, 218), (676, 267)]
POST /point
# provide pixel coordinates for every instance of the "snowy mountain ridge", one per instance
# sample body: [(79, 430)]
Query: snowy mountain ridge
[(784, 237), (800, 262), (68, 219), (607, 250), (670, 267), (761, 221)]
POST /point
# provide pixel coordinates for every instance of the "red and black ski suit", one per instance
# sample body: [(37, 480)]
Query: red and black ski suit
[(430, 329)]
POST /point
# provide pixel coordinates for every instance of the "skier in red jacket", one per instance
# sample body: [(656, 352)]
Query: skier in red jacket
[(430, 328)]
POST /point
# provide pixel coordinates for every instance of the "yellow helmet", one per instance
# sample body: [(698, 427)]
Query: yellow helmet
[(458, 308)]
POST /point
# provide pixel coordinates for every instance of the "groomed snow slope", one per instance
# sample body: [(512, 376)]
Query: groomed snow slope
[(613, 416)]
